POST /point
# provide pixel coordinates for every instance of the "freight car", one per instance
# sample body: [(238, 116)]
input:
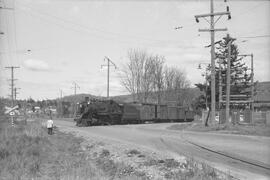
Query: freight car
[(164, 113), (106, 112)]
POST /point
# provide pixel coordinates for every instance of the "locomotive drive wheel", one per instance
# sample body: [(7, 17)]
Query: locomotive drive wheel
[(105, 121)]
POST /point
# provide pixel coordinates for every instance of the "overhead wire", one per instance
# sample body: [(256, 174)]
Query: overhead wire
[(94, 35), (250, 10), (98, 30), (15, 30), (7, 37), (256, 36), (81, 30)]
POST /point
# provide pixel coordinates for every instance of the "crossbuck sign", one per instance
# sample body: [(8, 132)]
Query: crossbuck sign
[(10, 110)]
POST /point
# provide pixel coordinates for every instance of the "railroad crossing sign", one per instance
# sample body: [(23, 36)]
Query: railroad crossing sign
[(10, 110)]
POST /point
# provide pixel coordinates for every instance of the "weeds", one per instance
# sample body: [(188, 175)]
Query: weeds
[(104, 153), (27, 152)]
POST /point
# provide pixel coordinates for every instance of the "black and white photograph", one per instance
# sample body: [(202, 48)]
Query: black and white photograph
[(134, 89)]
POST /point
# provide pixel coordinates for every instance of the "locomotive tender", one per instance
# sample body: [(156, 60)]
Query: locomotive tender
[(109, 112)]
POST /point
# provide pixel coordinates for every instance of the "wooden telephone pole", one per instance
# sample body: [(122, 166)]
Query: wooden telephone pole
[(212, 31), (228, 83), (75, 87), (12, 88), (109, 63), (12, 82), (16, 93)]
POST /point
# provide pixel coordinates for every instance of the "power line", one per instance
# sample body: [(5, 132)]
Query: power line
[(259, 36), (15, 29), (7, 35), (96, 29), (85, 30), (249, 10)]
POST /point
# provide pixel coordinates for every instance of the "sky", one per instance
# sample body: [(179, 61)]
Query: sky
[(58, 42)]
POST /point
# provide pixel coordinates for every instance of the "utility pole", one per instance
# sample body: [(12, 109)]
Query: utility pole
[(60, 114), (109, 63), (219, 77), (252, 83), (212, 31), (206, 90), (228, 83), (12, 88), (76, 86), (206, 86), (61, 94), (16, 93), (252, 88), (12, 82), (219, 85), (75, 92)]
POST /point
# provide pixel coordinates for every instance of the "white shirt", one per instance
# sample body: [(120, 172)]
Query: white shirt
[(49, 123)]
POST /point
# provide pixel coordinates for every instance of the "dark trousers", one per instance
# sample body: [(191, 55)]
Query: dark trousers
[(50, 131)]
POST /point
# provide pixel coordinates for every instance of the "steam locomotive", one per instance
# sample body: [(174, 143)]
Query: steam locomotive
[(109, 112)]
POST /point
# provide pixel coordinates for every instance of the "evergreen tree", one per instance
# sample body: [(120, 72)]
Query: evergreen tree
[(240, 76)]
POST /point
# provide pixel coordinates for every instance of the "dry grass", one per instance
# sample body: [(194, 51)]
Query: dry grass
[(27, 152)]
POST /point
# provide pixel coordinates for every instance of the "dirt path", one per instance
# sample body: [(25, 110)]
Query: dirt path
[(156, 138)]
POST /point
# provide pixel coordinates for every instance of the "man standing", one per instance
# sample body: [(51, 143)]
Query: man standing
[(50, 126)]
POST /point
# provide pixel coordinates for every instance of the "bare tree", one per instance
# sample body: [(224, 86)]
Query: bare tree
[(137, 75), (175, 83), (146, 74), (147, 78), (158, 69)]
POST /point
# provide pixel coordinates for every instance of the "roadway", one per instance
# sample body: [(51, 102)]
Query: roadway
[(244, 157)]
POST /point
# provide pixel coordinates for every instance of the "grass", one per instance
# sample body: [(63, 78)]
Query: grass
[(27, 152), (241, 129)]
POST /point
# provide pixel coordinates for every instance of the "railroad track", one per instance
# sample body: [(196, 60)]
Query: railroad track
[(246, 161), (229, 160)]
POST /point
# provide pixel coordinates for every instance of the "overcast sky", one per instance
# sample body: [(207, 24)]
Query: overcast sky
[(68, 40)]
